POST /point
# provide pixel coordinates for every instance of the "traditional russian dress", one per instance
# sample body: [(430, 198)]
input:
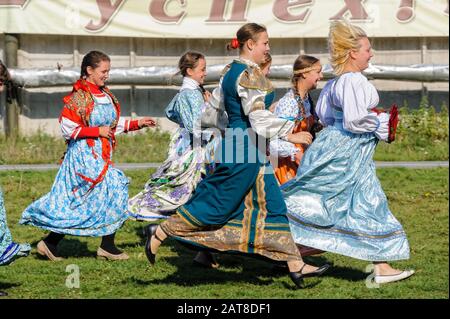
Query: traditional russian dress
[(89, 196), (190, 157), (336, 202), (239, 208), (9, 250), (291, 107)]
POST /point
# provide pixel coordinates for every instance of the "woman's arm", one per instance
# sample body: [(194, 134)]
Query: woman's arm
[(125, 126), (287, 108), (264, 122), (357, 96)]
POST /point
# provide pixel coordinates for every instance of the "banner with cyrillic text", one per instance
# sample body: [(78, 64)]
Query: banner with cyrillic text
[(222, 18)]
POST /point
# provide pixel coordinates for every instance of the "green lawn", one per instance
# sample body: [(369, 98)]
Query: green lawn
[(419, 199)]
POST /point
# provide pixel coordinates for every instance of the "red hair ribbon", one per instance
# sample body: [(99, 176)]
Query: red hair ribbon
[(234, 43)]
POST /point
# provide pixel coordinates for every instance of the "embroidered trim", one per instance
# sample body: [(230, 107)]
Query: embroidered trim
[(342, 231)]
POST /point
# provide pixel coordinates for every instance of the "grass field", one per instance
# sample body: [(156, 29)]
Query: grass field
[(418, 198)]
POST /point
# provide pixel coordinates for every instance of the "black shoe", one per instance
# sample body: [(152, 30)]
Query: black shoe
[(205, 259), (149, 231), (297, 277), (3, 294)]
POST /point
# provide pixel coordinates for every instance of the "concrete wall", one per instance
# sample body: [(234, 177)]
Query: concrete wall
[(41, 107), (47, 50)]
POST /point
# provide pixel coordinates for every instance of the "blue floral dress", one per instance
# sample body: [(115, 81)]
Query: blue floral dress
[(72, 207), (9, 250), (187, 162)]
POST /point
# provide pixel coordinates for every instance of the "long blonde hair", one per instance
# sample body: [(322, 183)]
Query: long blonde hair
[(343, 38)]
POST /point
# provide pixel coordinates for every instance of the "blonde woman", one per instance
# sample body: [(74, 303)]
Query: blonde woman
[(336, 202)]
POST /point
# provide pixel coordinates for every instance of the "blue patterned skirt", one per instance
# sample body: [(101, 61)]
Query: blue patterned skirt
[(71, 207), (9, 250), (336, 202)]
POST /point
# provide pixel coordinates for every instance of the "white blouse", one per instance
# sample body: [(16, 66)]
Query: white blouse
[(287, 108), (355, 96), (264, 122)]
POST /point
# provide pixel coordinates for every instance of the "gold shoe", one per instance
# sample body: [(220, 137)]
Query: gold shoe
[(104, 254), (43, 250)]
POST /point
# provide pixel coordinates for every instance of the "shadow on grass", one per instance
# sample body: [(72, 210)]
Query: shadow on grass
[(346, 273), (7, 285), (338, 272), (70, 248), (235, 267)]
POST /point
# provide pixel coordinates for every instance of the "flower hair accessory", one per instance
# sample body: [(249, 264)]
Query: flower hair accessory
[(234, 43)]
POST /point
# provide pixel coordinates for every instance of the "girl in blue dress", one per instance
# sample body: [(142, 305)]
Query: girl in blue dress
[(336, 203), (89, 196), (187, 163), (191, 152), (239, 208), (9, 250)]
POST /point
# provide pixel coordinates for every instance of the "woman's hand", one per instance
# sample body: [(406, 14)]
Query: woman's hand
[(272, 107), (300, 138), (146, 122), (106, 132), (298, 157), (206, 96)]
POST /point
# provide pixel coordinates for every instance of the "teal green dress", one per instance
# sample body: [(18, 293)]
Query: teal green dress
[(239, 207)]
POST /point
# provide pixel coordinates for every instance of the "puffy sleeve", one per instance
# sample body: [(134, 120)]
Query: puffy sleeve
[(214, 114), (125, 126), (356, 96), (72, 118), (70, 129), (264, 122), (189, 108), (287, 108), (323, 106), (216, 99)]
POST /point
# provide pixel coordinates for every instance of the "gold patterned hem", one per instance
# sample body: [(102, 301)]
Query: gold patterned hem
[(275, 245)]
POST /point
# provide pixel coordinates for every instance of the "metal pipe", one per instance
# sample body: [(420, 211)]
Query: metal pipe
[(164, 75)]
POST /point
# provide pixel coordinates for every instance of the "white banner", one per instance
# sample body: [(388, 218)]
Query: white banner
[(222, 18)]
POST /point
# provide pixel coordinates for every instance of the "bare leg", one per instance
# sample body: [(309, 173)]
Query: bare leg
[(384, 269), (384, 273), (306, 251), (297, 265)]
